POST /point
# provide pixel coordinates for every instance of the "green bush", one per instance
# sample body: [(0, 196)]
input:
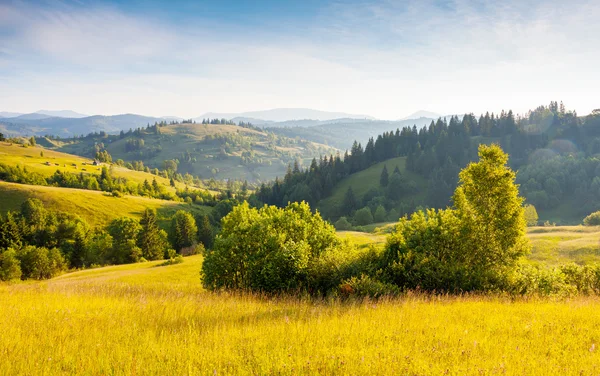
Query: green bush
[(10, 267), (327, 271), (268, 249), (592, 219), (363, 217), (380, 214), (342, 224), (40, 263), (474, 246), (365, 286)]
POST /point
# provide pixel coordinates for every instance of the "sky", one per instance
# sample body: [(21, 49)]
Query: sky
[(382, 58)]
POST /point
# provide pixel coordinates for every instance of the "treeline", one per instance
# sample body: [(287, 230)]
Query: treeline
[(475, 245), (36, 243), (103, 182), (438, 152)]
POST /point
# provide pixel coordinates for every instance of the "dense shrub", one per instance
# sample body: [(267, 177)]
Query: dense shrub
[(380, 214), (10, 267), (342, 224), (267, 249), (365, 286), (473, 246), (363, 217), (40, 262), (531, 215), (592, 219)]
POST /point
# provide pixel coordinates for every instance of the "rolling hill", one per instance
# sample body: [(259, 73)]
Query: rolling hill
[(207, 150), (361, 182), (341, 133), (51, 161), (97, 208)]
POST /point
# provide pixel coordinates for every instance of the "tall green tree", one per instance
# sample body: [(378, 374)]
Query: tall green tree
[(124, 232), (205, 231), (350, 204), (183, 230), (151, 239), (488, 204), (384, 178)]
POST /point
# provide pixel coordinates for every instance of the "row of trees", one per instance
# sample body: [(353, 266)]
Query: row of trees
[(473, 246), (43, 242), (438, 151)]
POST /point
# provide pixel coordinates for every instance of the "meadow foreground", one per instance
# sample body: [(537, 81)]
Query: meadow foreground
[(144, 319)]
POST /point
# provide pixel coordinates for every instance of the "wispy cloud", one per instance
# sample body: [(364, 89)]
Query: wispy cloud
[(386, 58)]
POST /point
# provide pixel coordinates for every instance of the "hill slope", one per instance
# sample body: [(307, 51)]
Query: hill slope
[(207, 150), (361, 182), (97, 208), (52, 160)]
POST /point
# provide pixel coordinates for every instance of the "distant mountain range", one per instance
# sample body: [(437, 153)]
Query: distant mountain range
[(333, 128), (422, 114), (284, 114), (41, 114)]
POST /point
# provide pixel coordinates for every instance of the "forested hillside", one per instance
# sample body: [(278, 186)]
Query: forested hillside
[(215, 149), (554, 150)]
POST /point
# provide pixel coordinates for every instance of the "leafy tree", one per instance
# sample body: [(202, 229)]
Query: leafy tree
[(124, 233), (223, 208), (183, 230), (384, 178), (592, 219), (11, 232), (10, 267), (343, 224), (380, 214), (40, 263), (393, 215), (531, 215), (363, 217), (267, 249), (471, 247), (151, 240), (488, 204)]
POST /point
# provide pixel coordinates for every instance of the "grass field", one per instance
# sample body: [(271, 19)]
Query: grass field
[(209, 162), (142, 319), (97, 208), (30, 157), (552, 246), (362, 181)]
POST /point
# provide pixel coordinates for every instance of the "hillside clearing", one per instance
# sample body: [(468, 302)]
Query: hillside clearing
[(143, 319), (97, 208)]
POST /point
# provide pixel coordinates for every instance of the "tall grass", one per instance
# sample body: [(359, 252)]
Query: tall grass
[(142, 319)]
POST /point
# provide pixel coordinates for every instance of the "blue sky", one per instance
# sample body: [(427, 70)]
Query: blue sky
[(383, 58)]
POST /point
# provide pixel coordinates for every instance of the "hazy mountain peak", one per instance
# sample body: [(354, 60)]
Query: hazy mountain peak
[(61, 113), (6, 114), (286, 114), (422, 114)]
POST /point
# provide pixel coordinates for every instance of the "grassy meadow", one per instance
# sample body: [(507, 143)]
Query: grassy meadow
[(97, 208), (148, 319), (551, 246), (364, 180), (32, 159)]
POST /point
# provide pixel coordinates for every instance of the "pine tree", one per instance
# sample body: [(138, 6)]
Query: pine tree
[(205, 232), (183, 230), (151, 239), (384, 179), (350, 203)]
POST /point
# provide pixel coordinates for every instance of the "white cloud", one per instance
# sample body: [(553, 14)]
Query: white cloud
[(384, 58)]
